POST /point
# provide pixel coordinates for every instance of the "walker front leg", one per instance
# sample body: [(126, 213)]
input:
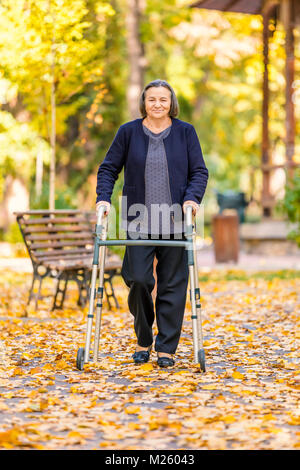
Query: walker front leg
[(99, 299), (201, 352), (194, 312), (84, 353), (199, 355)]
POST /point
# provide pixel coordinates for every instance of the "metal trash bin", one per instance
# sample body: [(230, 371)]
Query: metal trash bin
[(226, 238), (232, 200)]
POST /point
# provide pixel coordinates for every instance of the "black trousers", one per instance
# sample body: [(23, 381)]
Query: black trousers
[(172, 280)]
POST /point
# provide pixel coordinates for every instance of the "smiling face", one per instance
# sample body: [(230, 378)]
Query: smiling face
[(157, 102)]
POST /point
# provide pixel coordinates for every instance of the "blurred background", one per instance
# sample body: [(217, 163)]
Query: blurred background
[(71, 73)]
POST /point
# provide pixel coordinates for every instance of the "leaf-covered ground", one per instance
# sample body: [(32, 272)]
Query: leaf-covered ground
[(247, 399)]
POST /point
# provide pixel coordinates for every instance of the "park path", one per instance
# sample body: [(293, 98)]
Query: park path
[(247, 399), (248, 262)]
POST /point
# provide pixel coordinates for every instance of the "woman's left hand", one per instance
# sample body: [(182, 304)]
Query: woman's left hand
[(190, 203)]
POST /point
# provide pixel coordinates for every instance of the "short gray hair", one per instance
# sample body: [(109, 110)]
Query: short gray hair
[(174, 108)]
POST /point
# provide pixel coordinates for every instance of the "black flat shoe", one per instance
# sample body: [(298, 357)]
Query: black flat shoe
[(140, 357), (164, 361)]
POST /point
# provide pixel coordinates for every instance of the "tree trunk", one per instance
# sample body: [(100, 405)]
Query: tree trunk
[(136, 57), (266, 157), (39, 174), (290, 123), (53, 121)]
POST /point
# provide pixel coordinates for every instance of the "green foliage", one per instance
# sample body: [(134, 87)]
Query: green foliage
[(13, 234), (291, 204), (41, 42), (65, 198), (19, 145), (52, 42), (100, 119), (213, 61), (239, 275)]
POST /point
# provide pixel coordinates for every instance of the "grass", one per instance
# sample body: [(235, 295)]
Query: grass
[(237, 275)]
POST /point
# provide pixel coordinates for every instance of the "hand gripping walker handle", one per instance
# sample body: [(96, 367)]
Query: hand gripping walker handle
[(100, 213)]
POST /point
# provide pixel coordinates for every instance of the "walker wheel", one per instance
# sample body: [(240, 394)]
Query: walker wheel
[(80, 359), (201, 359)]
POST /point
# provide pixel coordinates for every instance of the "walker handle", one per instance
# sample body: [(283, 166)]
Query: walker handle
[(100, 213), (188, 215)]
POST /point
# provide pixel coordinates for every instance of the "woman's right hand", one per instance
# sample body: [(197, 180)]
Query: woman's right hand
[(103, 203)]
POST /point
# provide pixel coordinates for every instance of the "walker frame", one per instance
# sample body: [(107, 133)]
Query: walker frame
[(96, 291)]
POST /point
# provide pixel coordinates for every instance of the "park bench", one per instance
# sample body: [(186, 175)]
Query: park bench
[(60, 244)]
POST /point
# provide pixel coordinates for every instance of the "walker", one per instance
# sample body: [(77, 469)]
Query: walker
[(96, 292)]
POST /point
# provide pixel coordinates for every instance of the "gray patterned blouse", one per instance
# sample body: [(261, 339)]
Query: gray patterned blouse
[(157, 187)]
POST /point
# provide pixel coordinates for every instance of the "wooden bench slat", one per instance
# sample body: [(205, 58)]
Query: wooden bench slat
[(86, 263), (108, 263), (88, 256), (61, 244), (47, 212), (58, 220), (66, 236), (56, 253), (63, 265), (63, 254), (58, 228), (112, 265)]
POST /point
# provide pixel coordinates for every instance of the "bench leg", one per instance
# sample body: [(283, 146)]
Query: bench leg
[(31, 289), (110, 292), (31, 294), (82, 280), (107, 293), (61, 279), (36, 295)]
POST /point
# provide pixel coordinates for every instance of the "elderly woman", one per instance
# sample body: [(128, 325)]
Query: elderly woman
[(163, 167)]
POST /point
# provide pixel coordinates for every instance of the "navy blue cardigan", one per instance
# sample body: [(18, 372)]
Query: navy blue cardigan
[(187, 171)]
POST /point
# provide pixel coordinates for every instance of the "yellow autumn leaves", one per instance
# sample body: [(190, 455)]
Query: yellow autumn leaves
[(247, 399)]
